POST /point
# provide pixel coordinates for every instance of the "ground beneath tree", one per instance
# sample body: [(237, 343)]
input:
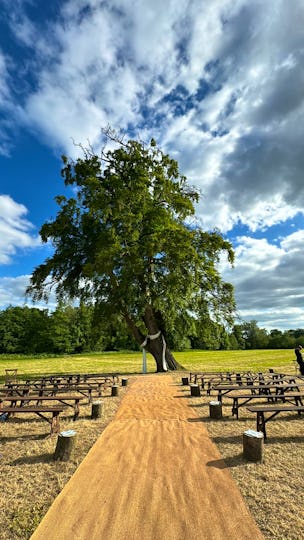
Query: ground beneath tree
[(153, 474)]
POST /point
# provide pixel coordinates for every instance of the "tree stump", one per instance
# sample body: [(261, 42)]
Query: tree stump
[(114, 390), (124, 382), (185, 381), (96, 409), (253, 443), (195, 390), (65, 445), (215, 410)]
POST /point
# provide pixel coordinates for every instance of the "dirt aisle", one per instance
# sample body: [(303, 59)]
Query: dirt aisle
[(153, 474)]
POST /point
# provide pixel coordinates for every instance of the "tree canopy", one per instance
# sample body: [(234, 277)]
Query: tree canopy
[(125, 242)]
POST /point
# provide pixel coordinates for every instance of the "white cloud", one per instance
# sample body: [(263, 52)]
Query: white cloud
[(253, 173), (268, 280), (13, 293), (241, 68), (15, 230)]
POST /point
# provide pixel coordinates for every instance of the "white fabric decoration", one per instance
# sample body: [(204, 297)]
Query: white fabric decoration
[(143, 345)]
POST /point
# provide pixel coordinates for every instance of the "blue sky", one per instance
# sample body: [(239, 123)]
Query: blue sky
[(219, 85)]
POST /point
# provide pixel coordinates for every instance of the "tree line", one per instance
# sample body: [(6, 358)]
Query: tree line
[(71, 330)]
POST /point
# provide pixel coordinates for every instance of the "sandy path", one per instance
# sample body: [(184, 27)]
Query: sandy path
[(153, 474)]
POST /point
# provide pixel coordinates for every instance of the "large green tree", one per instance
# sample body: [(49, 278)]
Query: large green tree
[(124, 240)]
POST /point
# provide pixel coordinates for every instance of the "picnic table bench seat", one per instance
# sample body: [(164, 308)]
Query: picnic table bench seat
[(68, 400), (256, 389), (67, 378), (260, 411), (295, 397), (86, 389), (40, 411)]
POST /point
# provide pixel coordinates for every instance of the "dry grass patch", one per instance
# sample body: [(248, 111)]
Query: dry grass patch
[(273, 490), (30, 478)]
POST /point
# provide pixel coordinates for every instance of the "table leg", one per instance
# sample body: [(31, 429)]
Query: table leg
[(261, 423), (55, 425)]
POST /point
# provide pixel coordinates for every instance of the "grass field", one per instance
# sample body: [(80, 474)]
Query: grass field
[(131, 362), (30, 479)]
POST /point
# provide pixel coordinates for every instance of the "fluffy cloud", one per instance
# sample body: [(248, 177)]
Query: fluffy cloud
[(15, 230), (12, 293), (268, 280), (218, 85)]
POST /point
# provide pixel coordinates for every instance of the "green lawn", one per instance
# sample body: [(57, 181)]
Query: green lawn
[(131, 362)]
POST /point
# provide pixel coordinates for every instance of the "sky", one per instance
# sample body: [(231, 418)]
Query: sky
[(219, 84)]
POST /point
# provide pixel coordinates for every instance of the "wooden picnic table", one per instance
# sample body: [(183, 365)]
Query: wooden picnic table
[(279, 388), (40, 410), (218, 376), (254, 380), (261, 410), (86, 389), (240, 379), (66, 399), (74, 378), (239, 400), (195, 376)]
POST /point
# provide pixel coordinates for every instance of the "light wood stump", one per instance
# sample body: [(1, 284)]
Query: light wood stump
[(96, 409), (114, 390), (195, 390), (253, 443), (65, 445), (215, 410)]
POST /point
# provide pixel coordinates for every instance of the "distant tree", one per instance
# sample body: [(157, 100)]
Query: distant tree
[(233, 342), (12, 330), (124, 239), (254, 337), (37, 335), (61, 330), (238, 335)]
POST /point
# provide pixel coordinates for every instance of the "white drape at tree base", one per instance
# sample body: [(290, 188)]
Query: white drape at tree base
[(143, 345)]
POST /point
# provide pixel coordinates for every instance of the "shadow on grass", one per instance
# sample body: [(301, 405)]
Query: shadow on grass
[(235, 439), (200, 419), (31, 460), (228, 462), (284, 440), (207, 419), (31, 437), (199, 405)]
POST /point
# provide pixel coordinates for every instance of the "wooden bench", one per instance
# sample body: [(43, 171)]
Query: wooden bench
[(73, 378), (85, 390), (295, 397), (39, 410), (260, 411), (68, 400), (272, 389)]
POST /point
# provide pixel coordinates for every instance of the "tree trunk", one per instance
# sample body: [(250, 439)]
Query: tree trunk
[(155, 346)]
